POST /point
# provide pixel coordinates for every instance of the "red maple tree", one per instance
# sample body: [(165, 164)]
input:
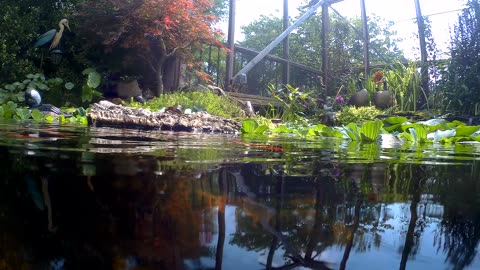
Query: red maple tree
[(150, 32)]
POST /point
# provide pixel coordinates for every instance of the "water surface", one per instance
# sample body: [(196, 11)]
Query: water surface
[(104, 198)]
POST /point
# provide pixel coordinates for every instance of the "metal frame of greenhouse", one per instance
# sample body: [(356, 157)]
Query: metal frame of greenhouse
[(237, 68)]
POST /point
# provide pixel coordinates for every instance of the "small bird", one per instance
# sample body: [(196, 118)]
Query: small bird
[(52, 36), (360, 98), (34, 101)]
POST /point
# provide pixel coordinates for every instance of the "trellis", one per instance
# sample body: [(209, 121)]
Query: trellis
[(240, 76)]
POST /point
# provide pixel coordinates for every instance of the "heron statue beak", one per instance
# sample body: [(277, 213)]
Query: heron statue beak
[(68, 27)]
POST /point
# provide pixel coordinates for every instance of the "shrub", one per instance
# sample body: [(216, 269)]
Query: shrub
[(212, 103), (351, 114)]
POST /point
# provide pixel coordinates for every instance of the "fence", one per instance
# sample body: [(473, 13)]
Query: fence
[(266, 74)]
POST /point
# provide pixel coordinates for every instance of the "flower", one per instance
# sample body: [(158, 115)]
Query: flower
[(339, 99), (378, 77)]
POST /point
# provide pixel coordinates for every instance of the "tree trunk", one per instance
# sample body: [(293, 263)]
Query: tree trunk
[(159, 69), (159, 56), (171, 74)]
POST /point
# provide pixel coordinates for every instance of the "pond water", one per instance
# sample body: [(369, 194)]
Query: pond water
[(104, 198)]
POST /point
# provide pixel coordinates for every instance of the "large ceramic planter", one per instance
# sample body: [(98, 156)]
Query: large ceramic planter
[(359, 99), (383, 99), (126, 89)]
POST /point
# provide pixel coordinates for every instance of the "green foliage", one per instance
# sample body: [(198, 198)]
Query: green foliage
[(351, 114), (16, 91), (213, 104), (431, 131), (251, 126), (18, 31), (93, 81), (416, 134), (158, 33), (404, 83), (297, 104), (368, 132), (344, 43), (10, 110), (460, 87)]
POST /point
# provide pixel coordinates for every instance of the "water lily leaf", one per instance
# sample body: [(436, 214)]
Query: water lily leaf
[(20, 96), (69, 86), (352, 132), (465, 131), (80, 119), (261, 129), (456, 123), (88, 70), (49, 118), (39, 76), (393, 120), (418, 134), (10, 87), (37, 115), (249, 125), (475, 138), (42, 86), (81, 112), (395, 127), (94, 79), (22, 113), (58, 80), (12, 105), (282, 129), (331, 132), (62, 119), (87, 94), (305, 132), (370, 131)]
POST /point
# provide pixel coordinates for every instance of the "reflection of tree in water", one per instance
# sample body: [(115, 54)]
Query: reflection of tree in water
[(305, 210), (158, 220), (415, 226), (322, 211), (459, 231)]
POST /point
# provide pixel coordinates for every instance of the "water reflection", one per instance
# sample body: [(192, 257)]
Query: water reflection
[(107, 199)]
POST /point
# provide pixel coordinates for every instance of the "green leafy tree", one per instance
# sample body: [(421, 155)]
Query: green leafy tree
[(345, 45), (21, 23), (461, 86), (147, 37), (18, 31)]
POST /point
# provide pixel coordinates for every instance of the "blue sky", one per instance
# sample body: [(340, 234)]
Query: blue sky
[(399, 11)]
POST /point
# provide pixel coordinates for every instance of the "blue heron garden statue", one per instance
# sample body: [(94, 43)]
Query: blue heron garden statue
[(52, 37)]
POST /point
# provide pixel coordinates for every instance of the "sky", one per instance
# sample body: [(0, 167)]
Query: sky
[(402, 12)]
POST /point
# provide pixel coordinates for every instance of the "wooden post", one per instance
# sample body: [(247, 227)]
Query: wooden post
[(231, 46), (423, 52), (286, 46), (325, 62), (366, 56)]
